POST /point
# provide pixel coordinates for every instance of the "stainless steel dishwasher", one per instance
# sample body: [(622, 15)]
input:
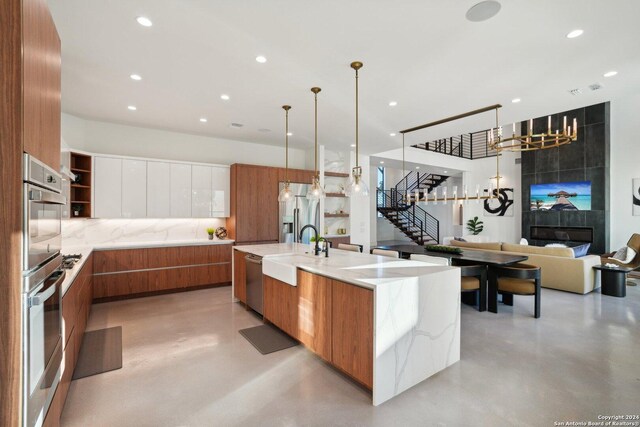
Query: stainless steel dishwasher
[(254, 282)]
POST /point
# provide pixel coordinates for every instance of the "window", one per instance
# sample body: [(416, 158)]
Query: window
[(380, 183)]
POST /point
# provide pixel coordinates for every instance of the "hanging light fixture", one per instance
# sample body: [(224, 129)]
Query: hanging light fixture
[(286, 194), (356, 186), (316, 192)]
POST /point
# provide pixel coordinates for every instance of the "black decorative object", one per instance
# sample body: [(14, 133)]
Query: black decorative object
[(636, 196), (500, 205), (221, 233)]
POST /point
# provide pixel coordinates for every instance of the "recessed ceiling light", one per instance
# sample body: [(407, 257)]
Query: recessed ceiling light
[(417, 167), (575, 33), (515, 100), (382, 162), (393, 103), (224, 97), (392, 134), (610, 73), (132, 107), (483, 11), (203, 120), (135, 77), (353, 145), (144, 21), (261, 59), (446, 172), (289, 134)]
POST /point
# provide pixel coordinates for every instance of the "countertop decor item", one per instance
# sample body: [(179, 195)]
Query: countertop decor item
[(286, 194), (221, 233), (356, 186), (210, 232)]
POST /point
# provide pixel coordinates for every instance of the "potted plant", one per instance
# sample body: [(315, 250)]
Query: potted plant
[(475, 226), (321, 242), (210, 232), (77, 209)]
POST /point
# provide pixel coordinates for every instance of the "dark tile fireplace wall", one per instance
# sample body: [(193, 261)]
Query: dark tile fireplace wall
[(586, 159)]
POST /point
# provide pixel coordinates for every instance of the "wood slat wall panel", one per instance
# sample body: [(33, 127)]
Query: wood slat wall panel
[(10, 210), (120, 260), (314, 313), (281, 305), (352, 331)]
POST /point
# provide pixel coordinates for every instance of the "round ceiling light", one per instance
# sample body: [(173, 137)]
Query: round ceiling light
[(483, 11), (224, 97), (135, 77), (203, 120), (353, 145), (382, 162), (575, 33), (261, 59), (132, 107), (144, 21), (516, 100), (393, 103), (610, 73), (289, 134), (392, 134)]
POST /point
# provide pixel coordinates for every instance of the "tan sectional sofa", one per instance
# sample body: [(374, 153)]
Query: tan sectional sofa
[(560, 268)]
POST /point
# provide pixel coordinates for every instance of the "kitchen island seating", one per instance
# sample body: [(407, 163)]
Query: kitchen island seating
[(348, 247), (517, 279), (387, 253)]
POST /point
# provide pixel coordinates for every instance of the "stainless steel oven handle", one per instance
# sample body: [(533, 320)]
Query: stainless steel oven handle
[(47, 197), (41, 297)]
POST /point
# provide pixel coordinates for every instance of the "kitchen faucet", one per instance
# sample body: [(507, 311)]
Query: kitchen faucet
[(316, 249)]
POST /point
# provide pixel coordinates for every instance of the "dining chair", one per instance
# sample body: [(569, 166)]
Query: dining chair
[(430, 259), (348, 247), (474, 280), (516, 279), (384, 252)]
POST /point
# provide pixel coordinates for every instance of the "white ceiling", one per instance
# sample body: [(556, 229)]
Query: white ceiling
[(423, 54)]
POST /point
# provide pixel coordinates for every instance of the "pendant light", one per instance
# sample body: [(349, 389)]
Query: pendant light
[(356, 186), (286, 194), (316, 192)]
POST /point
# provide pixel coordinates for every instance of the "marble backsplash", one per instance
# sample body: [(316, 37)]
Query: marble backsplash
[(83, 232)]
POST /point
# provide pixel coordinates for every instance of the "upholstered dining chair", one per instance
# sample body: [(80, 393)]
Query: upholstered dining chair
[(474, 279), (348, 247), (384, 252), (516, 279), (430, 259)]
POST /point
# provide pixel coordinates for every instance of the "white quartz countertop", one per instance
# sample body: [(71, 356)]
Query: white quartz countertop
[(85, 251), (281, 262)]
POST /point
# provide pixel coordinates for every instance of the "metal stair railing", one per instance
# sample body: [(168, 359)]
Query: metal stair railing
[(408, 218)]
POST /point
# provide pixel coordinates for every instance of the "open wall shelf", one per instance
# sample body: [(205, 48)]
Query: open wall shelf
[(80, 196)]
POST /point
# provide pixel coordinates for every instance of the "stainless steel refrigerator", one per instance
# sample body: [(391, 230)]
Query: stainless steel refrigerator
[(297, 213)]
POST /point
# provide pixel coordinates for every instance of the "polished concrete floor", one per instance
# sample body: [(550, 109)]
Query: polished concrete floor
[(185, 364)]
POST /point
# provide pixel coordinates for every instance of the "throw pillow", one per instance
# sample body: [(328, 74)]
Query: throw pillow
[(459, 239), (631, 254), (556, 245), (524, 242), (621, 254), (582, 250)]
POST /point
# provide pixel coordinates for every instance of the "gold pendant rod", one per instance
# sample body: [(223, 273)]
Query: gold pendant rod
[(315, 91), (452, 118), (286, 142)]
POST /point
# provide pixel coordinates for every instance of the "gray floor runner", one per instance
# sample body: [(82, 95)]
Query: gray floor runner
[(268, 339), (101, 351)]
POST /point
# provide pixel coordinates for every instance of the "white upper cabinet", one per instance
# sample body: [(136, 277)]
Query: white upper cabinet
[(220, 191), (134, 188), (180, 190), (201, 191), (107, 187), (158, 194), (140, 188)]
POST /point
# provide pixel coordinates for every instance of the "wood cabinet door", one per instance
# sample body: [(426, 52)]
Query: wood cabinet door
[(256, 203), (314, 313), (352, 331), (41, 83), (281, 305), (119, 260), (110, 285), (268, 207), (239, 276)]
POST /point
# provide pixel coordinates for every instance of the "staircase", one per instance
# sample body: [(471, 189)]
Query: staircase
[(422, 182)]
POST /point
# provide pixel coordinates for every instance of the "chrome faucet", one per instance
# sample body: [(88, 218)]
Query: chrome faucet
[(316, 249)]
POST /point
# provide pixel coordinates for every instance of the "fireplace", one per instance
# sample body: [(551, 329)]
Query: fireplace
[(549, 234)]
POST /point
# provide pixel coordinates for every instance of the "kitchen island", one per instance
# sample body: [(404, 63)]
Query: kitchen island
[(387, 323)]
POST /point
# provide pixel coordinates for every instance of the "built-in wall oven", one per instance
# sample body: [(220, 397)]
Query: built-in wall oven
[(41, 288)]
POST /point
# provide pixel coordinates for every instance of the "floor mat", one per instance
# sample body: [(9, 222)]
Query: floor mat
[(101, 351), (268, 339)]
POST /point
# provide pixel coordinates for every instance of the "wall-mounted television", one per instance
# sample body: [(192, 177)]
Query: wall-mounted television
[(561, 196)]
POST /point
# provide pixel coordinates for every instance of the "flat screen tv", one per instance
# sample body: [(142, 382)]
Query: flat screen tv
[(561, 196)]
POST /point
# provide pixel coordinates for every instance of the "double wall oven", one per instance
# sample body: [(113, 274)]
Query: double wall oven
[(41, 287)]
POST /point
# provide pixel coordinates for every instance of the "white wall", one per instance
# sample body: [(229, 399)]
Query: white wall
[(624, 166), (109, 138)]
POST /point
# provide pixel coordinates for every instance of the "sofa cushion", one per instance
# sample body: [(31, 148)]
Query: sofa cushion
[(492, 246), (559, 252), (581, 250), (469, 283), (516, 286)]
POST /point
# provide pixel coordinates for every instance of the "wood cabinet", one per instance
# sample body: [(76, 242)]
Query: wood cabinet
[(314, 313), (352, 331), (41, 69), (143, 271), (239, 276), (281, 305), (79, 191)]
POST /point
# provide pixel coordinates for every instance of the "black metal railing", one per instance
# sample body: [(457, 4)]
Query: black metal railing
[(471, 146), (423, 182), (414, 221)]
